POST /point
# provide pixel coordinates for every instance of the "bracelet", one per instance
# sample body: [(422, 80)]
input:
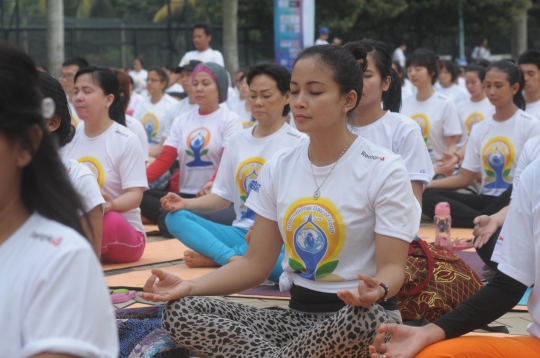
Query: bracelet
[(386, 292), (457, 155)]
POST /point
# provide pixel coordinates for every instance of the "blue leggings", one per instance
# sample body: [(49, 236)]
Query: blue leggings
[(216, 241)]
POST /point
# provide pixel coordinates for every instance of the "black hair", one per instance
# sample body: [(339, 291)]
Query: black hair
[(107, 81), (207, 29), (530, 56), (51, 88), (452, 68), (45, 186), (140, 60), (484, 63), (514, 75), (425, 58), (391, 98), (76, 61), (279, 74), (480, 71), (162, 74), (347, 67)]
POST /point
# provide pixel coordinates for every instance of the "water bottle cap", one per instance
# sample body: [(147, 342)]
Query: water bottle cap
[(442, 208)]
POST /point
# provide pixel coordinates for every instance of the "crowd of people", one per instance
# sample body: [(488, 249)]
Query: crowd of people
[(314, 179)]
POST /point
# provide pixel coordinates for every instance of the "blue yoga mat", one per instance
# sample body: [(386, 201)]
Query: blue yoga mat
[(525, 297)]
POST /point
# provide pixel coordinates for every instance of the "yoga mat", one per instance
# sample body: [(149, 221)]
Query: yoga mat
[(151, 230), (154, 253), (522, 305), (482, 334), (428, 233), (137, 279)]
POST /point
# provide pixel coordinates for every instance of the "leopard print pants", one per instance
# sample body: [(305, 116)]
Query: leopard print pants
[(217, 328)]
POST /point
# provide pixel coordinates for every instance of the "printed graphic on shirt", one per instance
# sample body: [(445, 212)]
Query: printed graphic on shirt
[(314, 238), (96, 168), (247, 173), (498, 157), (247, 124), (197, 141), (472, 119), (74, 121), (425, 126), (151, 126)]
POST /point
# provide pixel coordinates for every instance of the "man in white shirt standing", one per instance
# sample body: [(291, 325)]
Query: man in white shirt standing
[(70, 67), (399, 54), (323, 36), (202, 35)]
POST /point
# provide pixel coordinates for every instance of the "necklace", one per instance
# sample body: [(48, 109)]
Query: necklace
[(317, 193)]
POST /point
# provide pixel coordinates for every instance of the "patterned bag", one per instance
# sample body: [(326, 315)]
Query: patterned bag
[(436, 281)]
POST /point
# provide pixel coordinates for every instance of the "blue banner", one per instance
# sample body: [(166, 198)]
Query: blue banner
[(288, 32)]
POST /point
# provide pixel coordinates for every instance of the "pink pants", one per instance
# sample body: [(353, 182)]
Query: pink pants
[(120, 241)]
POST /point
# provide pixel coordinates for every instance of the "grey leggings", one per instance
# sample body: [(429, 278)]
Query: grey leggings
[(216, 328)]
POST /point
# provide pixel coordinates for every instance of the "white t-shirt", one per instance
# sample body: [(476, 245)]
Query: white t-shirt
[(530, 152), (134, 101), (200, 140), (175, 88), (401, 135), (438, 119), (116, 159), (494, 149), (481, 53), (320, 42), (84, 182), (75, 120), (518, 249), (457, 93), (179, 108), (399, 56), (245, 116), (138, 129), (152, 116), (208, 55), (54, 297), (533, 109), (329, 241), (471, 113), (139, 79), (241, 163)]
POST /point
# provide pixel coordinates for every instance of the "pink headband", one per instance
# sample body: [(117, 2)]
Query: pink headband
[(201, 68)]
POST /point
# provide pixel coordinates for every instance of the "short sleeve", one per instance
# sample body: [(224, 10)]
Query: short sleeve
[(414, 152), (175, 133), (263, 196), (132, 165), (534, 129), (471, 160), (139, 111), (452, 125), (224, 183), (397, 212), (88, 189), (168, 120), (218, 58), (515, 249), (231, 125), (523, 162), (70, 311)]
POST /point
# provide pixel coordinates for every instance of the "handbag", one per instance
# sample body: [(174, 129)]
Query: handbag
[(436, 281)]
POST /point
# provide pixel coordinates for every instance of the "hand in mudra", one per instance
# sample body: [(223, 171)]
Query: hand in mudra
[(168, 287), (172, 202), (368, 292)]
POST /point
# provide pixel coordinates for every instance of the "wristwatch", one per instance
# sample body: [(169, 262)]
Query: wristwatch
[(386, 292)]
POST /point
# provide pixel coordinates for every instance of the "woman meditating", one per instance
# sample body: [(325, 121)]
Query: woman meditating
[(346, 212), (245, 153)]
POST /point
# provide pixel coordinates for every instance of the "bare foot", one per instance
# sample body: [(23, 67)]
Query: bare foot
[(194, 259)]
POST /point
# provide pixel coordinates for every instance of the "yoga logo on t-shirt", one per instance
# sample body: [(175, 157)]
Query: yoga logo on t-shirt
[(197, 141), (246, 175), (425, 126), (74, 121), (498, 158), (95, 166), (314, 238), (151, 126), (472, 119)]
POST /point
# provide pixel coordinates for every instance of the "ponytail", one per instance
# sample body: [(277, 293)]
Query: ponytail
[(514, 75), (391, 98)]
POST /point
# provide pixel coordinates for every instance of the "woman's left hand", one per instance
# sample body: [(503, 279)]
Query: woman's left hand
[(109, 202), (369, 291)]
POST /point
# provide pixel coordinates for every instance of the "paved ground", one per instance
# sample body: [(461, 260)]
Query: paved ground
[(515, 321)]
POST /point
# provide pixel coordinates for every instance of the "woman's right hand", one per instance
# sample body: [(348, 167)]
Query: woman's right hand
[(485, 227), (172, 202), (168, 287), (406, 341), (248, 234), (448, 161)]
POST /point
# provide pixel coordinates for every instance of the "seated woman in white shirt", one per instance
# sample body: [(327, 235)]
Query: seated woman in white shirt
[(346, 212), (448, 76), (493, 150), (82, 178), (518, 255), (385, 126), (244, 155), (243, 105), (115, 156), (434, 112), (196, 139), (151, 111), (55, 302)]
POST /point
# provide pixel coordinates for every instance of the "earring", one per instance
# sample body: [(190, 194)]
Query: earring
[(346, 109)]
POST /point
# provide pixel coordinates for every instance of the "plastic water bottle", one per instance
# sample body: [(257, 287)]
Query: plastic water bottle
[(443, 224)]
